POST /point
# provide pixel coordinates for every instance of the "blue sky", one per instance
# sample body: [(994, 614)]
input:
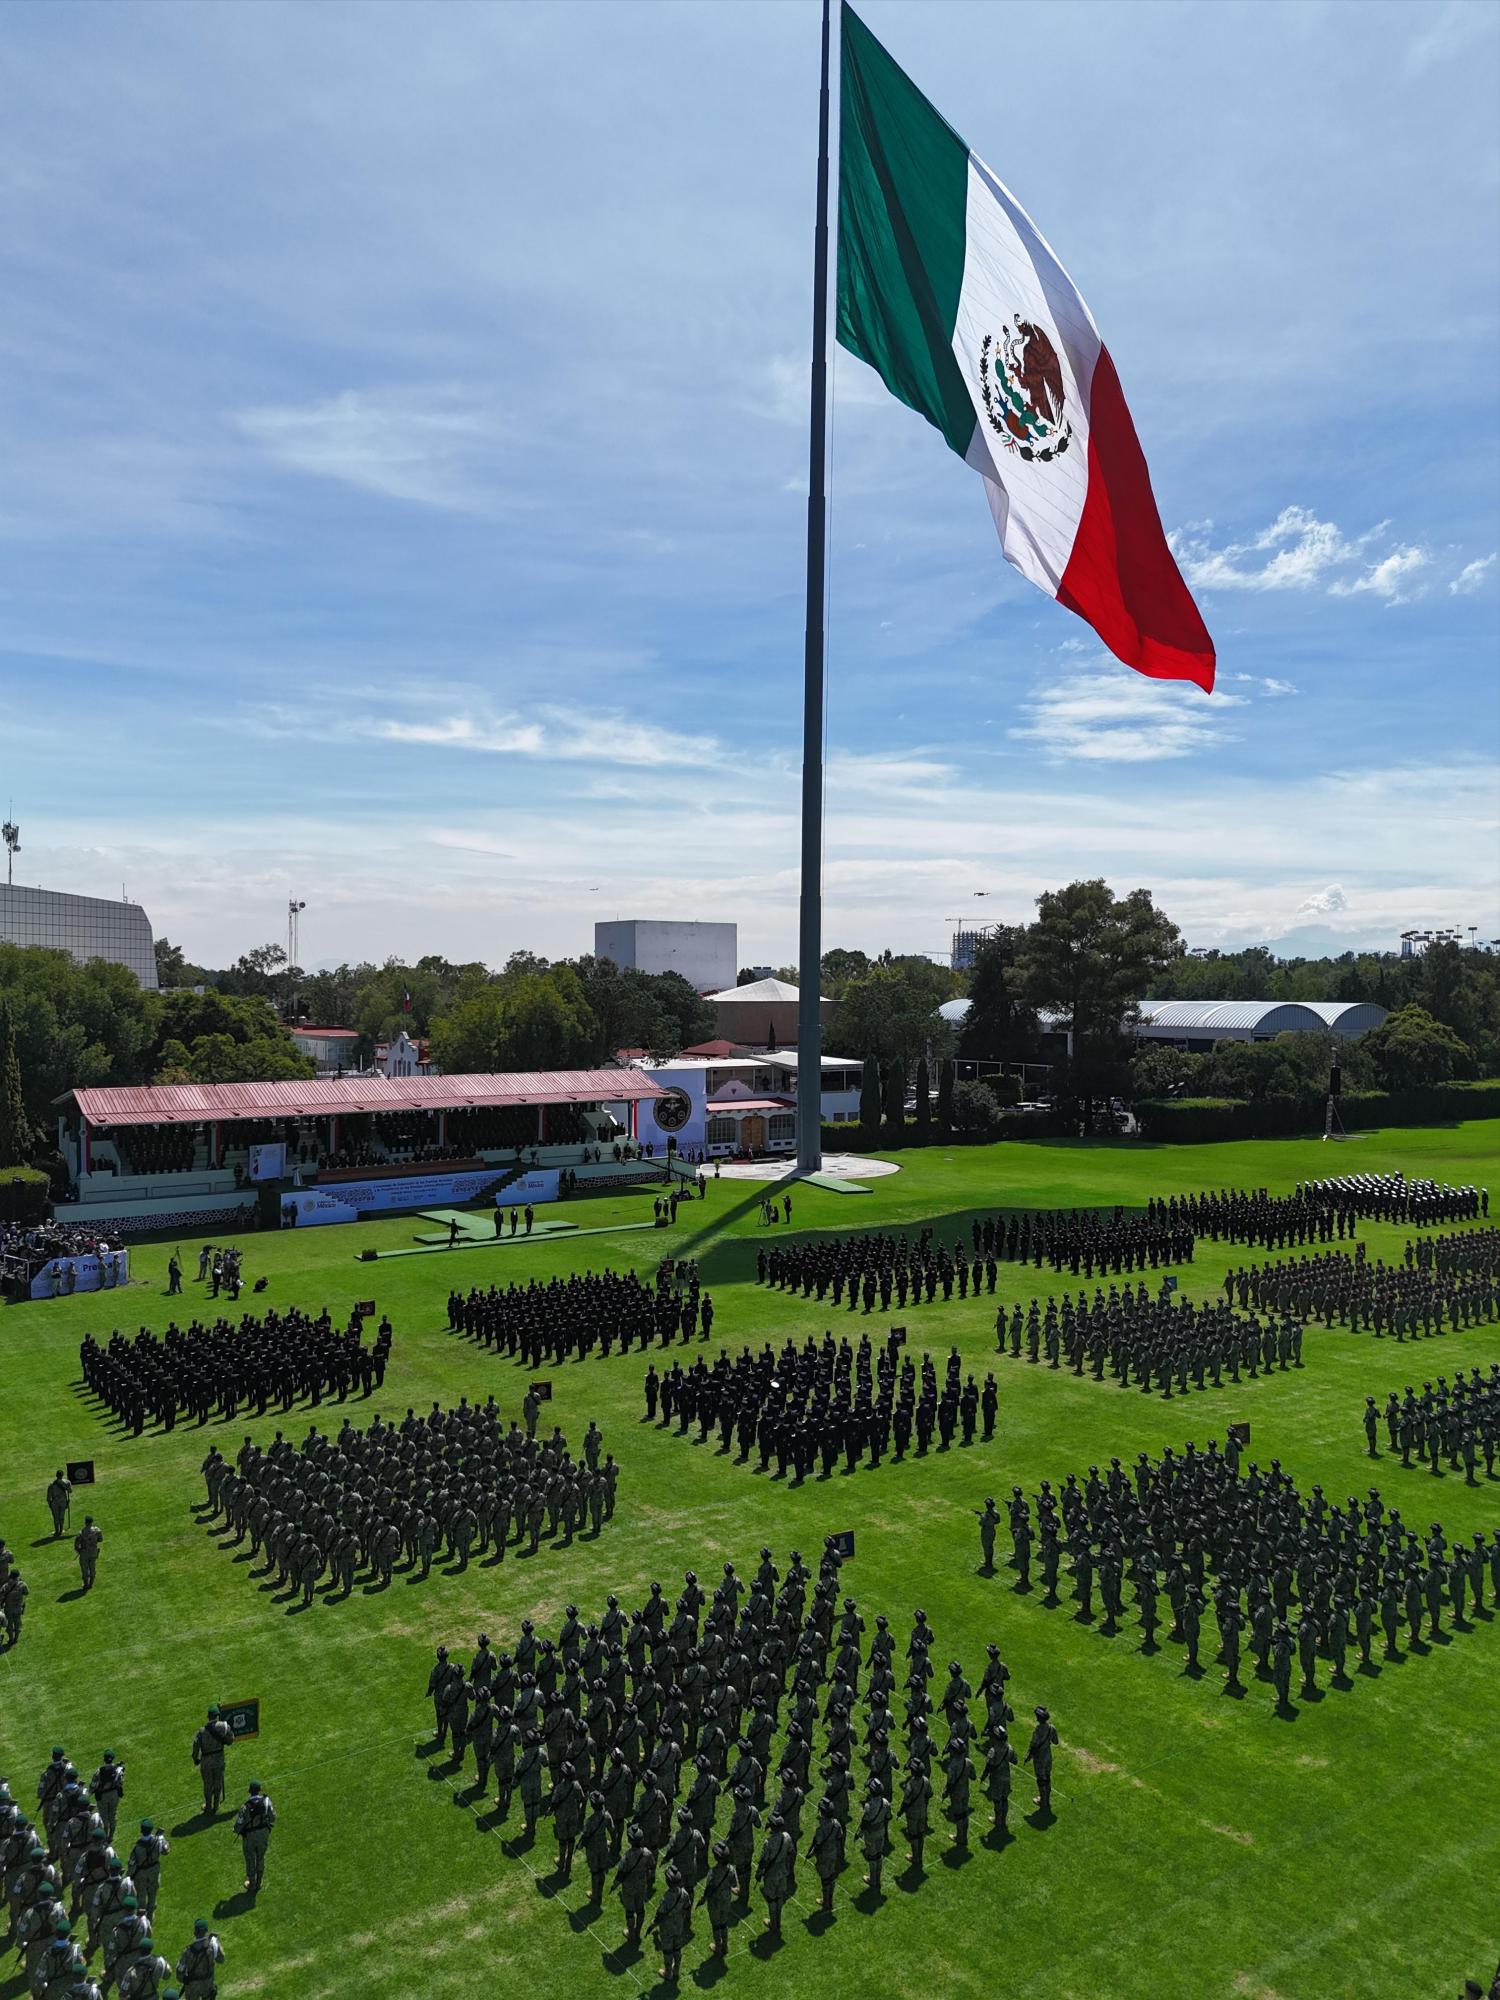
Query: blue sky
[(402, 475)]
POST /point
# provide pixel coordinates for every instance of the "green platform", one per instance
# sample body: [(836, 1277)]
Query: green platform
[(833, 1184), (430, 1245)]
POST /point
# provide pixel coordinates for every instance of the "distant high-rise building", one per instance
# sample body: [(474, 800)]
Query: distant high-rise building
[(87, 926), (966, 943)]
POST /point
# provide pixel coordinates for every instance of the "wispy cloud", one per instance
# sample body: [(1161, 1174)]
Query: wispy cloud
[(1449, 30), (1471, 576), (1267, 685), (1390, 578), (1299, 551), (850, 771), (1296, 552), (562, 734), (425, 446), (1123, 718)]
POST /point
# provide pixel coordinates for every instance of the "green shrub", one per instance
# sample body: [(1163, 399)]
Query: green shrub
[(24, 1194)]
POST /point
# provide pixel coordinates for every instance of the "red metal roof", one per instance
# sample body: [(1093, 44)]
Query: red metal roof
[(752, 1104), (322, 1097)]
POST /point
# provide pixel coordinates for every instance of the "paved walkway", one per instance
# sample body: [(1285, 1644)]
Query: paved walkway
[(842, 1166)]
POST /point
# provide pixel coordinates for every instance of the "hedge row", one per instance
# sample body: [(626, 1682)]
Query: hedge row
[(1010, 1125), (24, 1194), (1196, 1120)]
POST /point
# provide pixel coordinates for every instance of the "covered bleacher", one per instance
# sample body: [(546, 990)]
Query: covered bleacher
[(199, 1155)]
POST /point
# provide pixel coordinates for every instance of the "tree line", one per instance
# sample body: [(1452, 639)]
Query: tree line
[(1084, 961)]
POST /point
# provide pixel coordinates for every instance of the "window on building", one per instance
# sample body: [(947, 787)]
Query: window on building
[(719, 1132), (783, 1127)]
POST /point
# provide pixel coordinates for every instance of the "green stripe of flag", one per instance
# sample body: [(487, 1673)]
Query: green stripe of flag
[(903, 193)]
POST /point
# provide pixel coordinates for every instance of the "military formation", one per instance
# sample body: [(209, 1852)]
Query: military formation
[(809, 1406), (1298, 1582), (694, 1755), (1393, 1198), (1276, 1221), (81, 1903), (449, 1486), (196, 1371), (1410, 1300), (568, 1319), (1461, 1424), (880, 1267), (1164, 1343)]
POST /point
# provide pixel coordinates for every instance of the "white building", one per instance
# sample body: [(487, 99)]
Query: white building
[(725, 1105), (704, 954), (87, 926)]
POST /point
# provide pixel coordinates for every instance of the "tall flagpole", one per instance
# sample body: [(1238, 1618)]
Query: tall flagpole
[(810, 946)]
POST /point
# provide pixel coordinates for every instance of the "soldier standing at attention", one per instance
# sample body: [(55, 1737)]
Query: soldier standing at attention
[(874, 1822), (209, 1745), (672, 1926), (86, 1548), (567, 1818), (635, 1878), (989, 1520), (59, 1493), (775, 1871), (1039, 1757), (598, 1838), (721, 1888), (253, 1823), (826, 1851)]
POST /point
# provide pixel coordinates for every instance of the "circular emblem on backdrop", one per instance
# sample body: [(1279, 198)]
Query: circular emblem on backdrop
[(1021, 383), (672, 1110)]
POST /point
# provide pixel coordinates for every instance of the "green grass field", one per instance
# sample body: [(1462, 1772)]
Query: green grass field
[(1202, 1846)]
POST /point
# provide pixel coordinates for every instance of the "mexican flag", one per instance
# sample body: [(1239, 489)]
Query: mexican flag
[(948, 289)]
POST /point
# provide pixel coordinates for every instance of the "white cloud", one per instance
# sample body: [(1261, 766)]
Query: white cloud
[(1390, 578), (1300, 552), (850, 771), (1268, 684), (1325, 903), (425, 446), (1470, 576), (1123, 718), (562, 734)]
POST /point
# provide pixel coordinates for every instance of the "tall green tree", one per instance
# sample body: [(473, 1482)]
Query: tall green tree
[(869, 1098), (893, 1094), (924, 1097), (1410, 1049), (945, 1094), (891, 1010), (15, 1126), (1001, 1022), (1089, 957)]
